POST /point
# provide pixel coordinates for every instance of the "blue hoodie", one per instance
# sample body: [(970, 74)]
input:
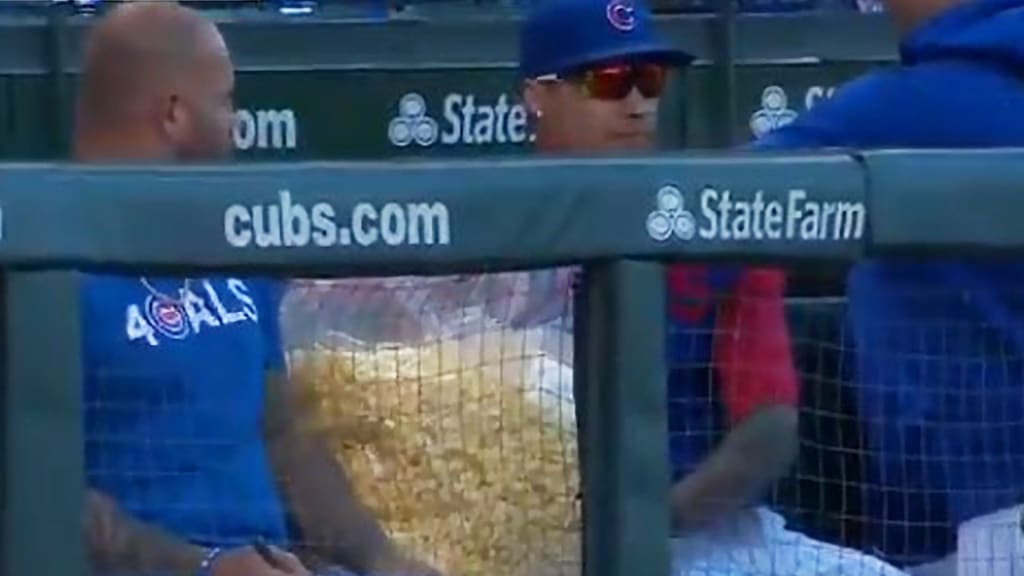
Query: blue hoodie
[(939, 345)]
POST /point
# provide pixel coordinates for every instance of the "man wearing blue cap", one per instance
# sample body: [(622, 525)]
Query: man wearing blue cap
[(594, 71), (938, 344), (581, 61)]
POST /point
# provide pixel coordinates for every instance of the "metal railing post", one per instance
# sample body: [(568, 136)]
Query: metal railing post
[(624, 450), (724, 78), (43, 472)]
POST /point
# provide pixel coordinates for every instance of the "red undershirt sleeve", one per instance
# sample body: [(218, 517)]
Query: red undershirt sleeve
[(752, 352)]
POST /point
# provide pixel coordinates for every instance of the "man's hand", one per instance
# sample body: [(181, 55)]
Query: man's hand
[(247, 562), (401, 565)]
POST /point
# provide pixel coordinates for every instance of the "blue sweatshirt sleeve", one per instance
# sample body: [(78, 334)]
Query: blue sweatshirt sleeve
[(875, 110)]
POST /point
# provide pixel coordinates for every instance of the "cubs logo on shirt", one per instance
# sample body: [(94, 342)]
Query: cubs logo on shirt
[(174, 372), (167, 317), (203, 305)]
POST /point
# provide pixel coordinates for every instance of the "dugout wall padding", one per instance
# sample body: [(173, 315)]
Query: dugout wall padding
[(126, 220), (43, 449)]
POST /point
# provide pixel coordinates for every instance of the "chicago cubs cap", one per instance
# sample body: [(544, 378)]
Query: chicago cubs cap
[(562, 35)]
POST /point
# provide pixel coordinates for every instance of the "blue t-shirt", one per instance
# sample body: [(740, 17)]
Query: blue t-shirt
[(174, 395)]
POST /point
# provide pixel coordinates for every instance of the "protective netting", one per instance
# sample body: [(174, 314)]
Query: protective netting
[(447, 400), (910, 422), (450, 402)]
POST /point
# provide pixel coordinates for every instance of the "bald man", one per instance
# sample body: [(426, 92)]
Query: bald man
[(192, 449), (157, 86)]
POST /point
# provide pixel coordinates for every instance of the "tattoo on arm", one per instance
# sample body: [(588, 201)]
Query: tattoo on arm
[(118, 542)]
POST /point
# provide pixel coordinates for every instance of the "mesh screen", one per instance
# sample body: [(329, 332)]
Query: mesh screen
[(449, 402), (908, 429)]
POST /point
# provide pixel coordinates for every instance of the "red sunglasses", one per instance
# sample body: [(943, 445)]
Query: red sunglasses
[(615, 82)]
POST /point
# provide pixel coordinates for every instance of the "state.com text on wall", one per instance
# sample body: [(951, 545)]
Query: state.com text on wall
[(289, 224)]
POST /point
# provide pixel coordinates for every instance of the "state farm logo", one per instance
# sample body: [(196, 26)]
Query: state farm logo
[(412, 123), (466, 119), (775, 111), (720, 213), (670, 216)]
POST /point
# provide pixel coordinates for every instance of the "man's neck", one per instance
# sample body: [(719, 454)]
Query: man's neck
[(546, 145), (910, 15), (97, 146), (560, 148)]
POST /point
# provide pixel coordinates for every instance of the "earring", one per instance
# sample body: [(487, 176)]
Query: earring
[(539, 113)]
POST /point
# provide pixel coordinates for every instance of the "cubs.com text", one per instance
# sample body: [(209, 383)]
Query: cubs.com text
[(286, 223)]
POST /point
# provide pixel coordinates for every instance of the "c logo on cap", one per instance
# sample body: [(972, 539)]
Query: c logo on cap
[(620, 15)]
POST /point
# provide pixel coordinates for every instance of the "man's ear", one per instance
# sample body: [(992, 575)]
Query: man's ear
[(172, 116), (533, 97)]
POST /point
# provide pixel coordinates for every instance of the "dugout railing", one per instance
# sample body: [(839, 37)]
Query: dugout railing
[(617, 217)]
